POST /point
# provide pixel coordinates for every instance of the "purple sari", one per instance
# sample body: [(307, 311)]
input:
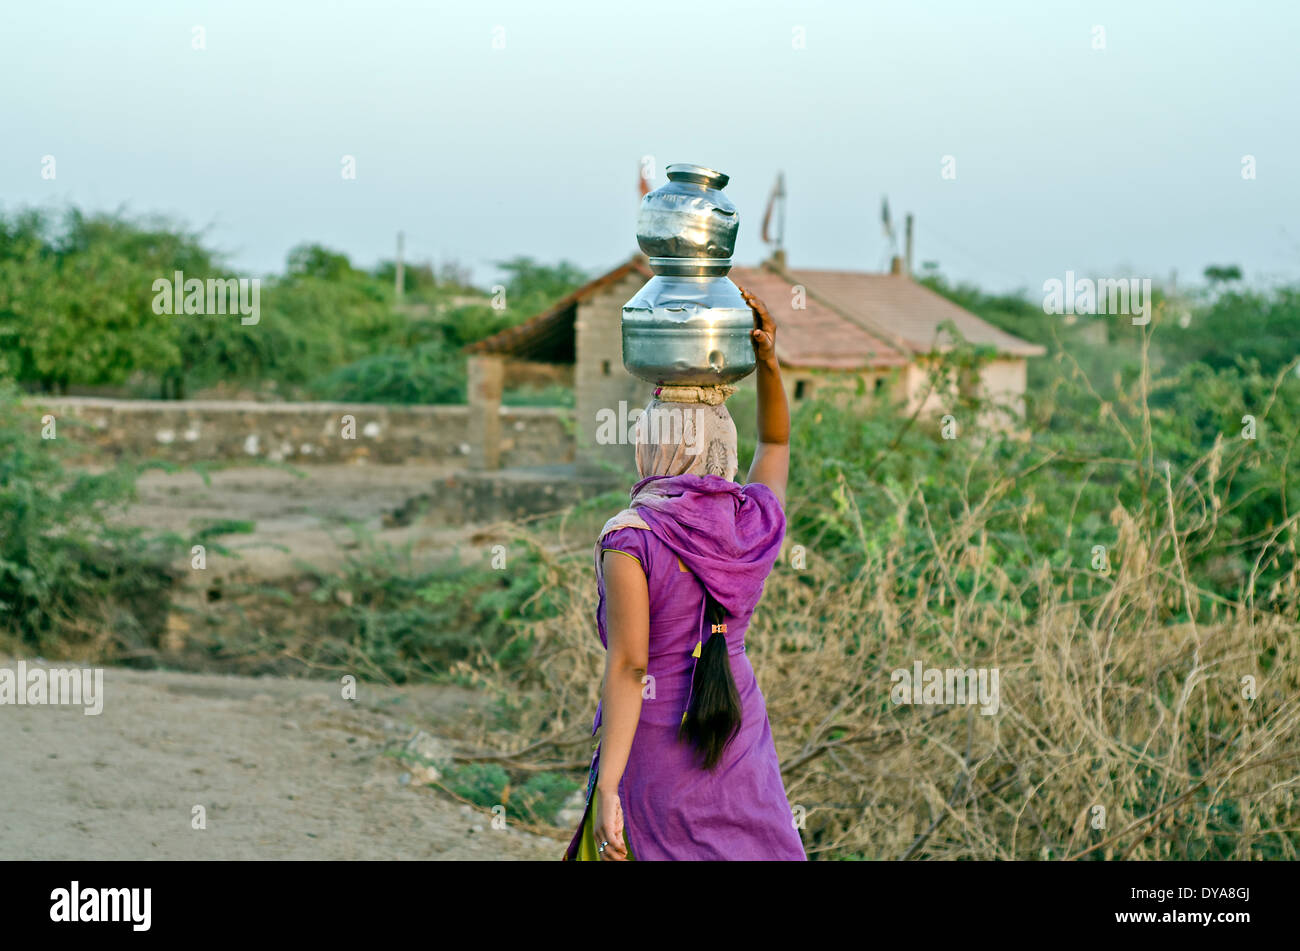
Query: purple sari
[(703, 531)]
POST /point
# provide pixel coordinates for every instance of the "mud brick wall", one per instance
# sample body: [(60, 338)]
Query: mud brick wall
[(185, 431)]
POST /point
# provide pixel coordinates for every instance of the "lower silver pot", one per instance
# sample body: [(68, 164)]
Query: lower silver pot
[(688, 330)]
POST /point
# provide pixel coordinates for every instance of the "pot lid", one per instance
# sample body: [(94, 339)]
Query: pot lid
[(698, 174)]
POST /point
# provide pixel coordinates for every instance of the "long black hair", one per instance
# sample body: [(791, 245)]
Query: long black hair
[(713, 717)]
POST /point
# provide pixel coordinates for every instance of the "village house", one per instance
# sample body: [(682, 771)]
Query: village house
[(859, 335)]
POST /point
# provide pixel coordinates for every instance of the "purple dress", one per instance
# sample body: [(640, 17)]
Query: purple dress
[(672, 807)]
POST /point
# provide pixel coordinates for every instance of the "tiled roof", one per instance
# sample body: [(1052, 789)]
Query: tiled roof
[(815, 336), (906, 312)]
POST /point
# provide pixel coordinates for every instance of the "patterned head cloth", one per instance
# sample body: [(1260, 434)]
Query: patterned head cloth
[(686, 438)]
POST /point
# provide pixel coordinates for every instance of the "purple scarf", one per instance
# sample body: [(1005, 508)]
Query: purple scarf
[(729, 535)]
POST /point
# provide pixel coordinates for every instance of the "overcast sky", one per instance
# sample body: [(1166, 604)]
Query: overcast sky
[(1122, 161)]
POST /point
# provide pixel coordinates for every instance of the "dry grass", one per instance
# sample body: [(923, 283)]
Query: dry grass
[(1123, 691)]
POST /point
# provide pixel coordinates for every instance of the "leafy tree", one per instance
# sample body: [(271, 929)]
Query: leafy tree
[(1217, 274), (76, 299), (530, 286), (314, 260), (1238, 327)]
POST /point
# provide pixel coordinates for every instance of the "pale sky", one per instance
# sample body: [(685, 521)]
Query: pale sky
[(1122, 161)]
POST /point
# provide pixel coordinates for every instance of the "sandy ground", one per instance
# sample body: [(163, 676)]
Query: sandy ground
[(305, 516), (286, 769)]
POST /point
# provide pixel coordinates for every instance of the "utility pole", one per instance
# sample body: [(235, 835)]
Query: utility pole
[(907, 245), (780, 221), (400, 279)]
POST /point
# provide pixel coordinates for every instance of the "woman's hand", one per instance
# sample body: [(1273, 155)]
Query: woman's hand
[(608, 825), (771, 465), (763, 336)]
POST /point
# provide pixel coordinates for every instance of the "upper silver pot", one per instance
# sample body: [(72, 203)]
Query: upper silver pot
[(688, 227)]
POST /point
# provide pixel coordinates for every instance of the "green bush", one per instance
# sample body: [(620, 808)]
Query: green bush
[(483, 784), (429, 373), (535, 801), (68, 574)]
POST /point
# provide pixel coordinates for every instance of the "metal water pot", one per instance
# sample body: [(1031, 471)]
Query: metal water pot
[(688, 324), (688, 227)]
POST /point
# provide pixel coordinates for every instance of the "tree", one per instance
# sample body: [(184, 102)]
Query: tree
[(76, 299), (529, 282), (314, 260), (1217, 274)]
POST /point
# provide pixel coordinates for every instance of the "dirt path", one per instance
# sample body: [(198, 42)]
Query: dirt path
[(285, 769), (307, 515)]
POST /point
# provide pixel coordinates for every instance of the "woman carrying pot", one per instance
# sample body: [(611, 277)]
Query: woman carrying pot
[(686, 768)]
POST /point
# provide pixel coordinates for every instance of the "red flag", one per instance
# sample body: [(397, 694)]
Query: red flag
[(642, 182)]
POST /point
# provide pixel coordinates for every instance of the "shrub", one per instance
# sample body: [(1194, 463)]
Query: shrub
[(429, 373), (69, 577)]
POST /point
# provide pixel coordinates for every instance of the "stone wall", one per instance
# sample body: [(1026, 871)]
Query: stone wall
[(187, 431)]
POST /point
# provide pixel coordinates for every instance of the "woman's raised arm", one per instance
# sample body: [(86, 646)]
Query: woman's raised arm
[(771, 464)]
